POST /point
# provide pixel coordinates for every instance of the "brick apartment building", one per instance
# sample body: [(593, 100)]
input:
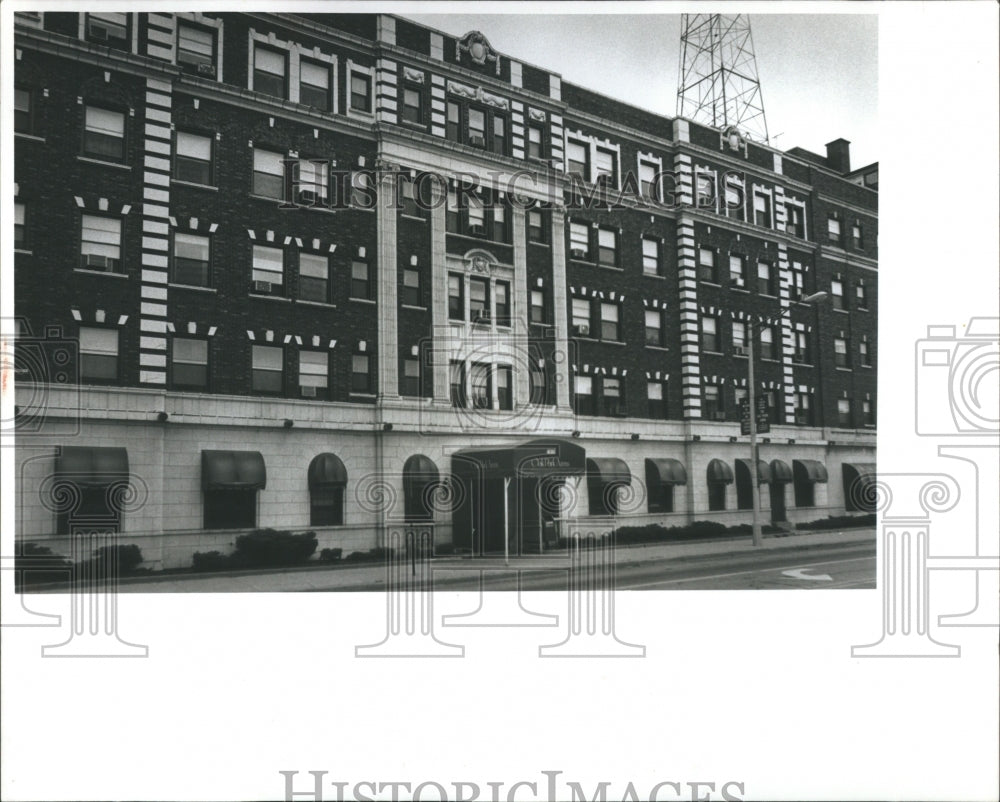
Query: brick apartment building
[(320, 271)]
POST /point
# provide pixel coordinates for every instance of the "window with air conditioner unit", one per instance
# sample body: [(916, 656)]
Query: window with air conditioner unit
[(108, 29), (268, 271), (100, 243), (605, 169), (579, 240), (581, 317), (310, 181), (313, 373), (196, 49)]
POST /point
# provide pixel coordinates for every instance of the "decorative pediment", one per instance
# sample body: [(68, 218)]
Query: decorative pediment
[(478, 48)]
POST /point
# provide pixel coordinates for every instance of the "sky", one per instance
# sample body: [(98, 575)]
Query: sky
[(818, 72)]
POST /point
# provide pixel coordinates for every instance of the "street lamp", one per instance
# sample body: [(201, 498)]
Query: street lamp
[(752, 403)]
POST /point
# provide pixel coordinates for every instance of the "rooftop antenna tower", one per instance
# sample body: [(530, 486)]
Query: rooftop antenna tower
[(718, 84)]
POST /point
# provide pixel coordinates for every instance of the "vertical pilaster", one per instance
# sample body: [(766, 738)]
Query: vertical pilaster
[(559, 302), (386, 92), (439, 294), (388, 329), (437, 105), (687, 280), (787, 330), (517, 129), (519, 311)]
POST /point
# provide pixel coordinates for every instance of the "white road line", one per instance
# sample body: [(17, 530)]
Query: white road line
[(736, 573)]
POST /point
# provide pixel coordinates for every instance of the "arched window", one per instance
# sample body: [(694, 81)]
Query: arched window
[(327, 480), (719, 475), (420, 475)]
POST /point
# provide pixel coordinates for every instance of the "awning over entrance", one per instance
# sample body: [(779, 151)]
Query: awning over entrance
[(763, 470), (234, 470), (860, 490), (665, 472), (719, 472), (809, 470), (327, 470), (780, 472), (418, 472), (92, 467), (532, 458), (608, 471)]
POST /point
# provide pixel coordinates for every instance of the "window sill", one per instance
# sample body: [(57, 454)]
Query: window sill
[(611, 342), (657, 347), (843, 311), (99, 273), (802, 364), (181, 183), (866, 367), (654, 275), (362, 300), (29, 137), (582, 260), (712, 353), (413, 217), (611, 267), (842, 369), (104, 163), (413, 307), (538, 243), (359, 394), (709, 283), (770, 359), (323, 304), (863, 309), (194, 287), (361, 115), (265, 198), (412, 124), (25, 251), (770, 295), (280, 298), (740, 290)]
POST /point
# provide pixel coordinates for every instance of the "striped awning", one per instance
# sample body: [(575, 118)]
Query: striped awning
[(719, 472)]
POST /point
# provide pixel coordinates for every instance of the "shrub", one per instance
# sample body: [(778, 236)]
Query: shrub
[(38, 565), (209, 561), (331, 555), (270, 547), (840, 522), (129, 558)]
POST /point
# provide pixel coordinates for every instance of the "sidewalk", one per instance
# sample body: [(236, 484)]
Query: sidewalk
[(342, 577)]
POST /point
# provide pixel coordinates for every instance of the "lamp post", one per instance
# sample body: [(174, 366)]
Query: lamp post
[(752, 403)]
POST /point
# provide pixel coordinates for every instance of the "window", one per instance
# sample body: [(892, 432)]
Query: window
[(407, 197), (577, 160), (739, 335), (361, 92), (765, 279), (98, 354), (309, 181), (109, 29), (411, 376), (100, 244), (20, 238), (762, 209), (605, 171), (737, 272), (499, 223), (22, 110), (861, 294), (739, 396), (193, 158), (267, 369), (537, 307), (476, 127), (482, 386), (196, 49), (268, 174), (716, 496), (709, 333), (837, 294), (857, 238), (313, 372), (411, 287), (454, 122), (581, 316), (361, 285), (706, 190), (230, 508), (268, 269), (326, 505), (361, 373), (833, 229), (456, 371), (579, 240), (840, 352), (499, 134), (536, 149), (538, 385), (583, 395), (802, 351), (314, 85), (654, 327), (456, 299), (647, 181), (798, 280), (844, 412), (363, 194), (314, 277), (505, 399), (802, 403), (734, 195), (607, 247), (611, 394), (479, 299), (412, 105), (868, 413), (650, 256), (712, 402), (706, 265), (475, 215), (866, 358), (502, 302), (189, 363), (656, 399), (104, 134), (451, 212), (610, 328), (767, 350), (269, 70), (191, 260), (795, 220), (536, 226)]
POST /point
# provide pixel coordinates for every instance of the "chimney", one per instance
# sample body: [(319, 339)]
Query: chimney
[(838, 155)]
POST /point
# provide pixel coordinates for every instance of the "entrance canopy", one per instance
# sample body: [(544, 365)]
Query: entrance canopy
[(532, 458), (763, 470), (665, 472), (92, 467), (234, 470)]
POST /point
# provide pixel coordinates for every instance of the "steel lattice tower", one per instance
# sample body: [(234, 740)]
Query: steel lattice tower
[(718, 83)]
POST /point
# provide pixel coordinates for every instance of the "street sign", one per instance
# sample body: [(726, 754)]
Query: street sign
[(763, 424)]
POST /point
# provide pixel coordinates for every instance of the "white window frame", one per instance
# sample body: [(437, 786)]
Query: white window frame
[(295, 52), (353, 68), (205, 22)]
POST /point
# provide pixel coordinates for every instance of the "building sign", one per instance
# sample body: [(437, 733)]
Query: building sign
[(763, 423)]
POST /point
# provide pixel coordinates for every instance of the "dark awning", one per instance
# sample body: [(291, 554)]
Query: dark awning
[(532, 458), (92, 466), (665, 472), (860, 470), (860, 486), (608, 471), (242, 470), (719, 472), (780, 472), (763, 470), (326, 470), (809, 470), (418, 472)]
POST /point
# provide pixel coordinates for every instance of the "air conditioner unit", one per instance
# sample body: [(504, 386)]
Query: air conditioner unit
[(739, 350), (578, 253), (583, 330), (802, 420), (308, 392), (262, 286), (106, 263), (307, 196), (719, 415), (207, 70), (477, 141), (97, 31), (477, 230), (799, 356)]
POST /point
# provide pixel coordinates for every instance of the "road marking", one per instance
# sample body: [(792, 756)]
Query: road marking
[(800, 573), (735, 573)]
